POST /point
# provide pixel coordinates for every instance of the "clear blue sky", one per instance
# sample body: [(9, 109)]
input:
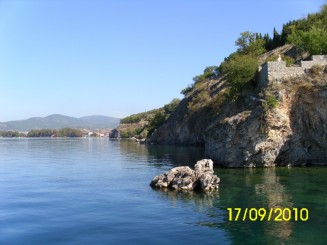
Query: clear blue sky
[(115, 58)]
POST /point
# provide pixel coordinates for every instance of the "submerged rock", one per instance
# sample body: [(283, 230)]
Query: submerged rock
[(184, 178)]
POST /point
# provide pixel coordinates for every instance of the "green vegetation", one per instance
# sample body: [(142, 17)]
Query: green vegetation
[(11, 134), (136, 118), (239, 72), (317, 70), (209, 73), (158, 119), (309, 34), (250, 44), (289, 60), (41, 133), (271, 102), (65, 132), (313, 40), (142, 125), (238, 69)]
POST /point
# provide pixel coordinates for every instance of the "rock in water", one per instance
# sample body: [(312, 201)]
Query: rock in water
[(184, 178)]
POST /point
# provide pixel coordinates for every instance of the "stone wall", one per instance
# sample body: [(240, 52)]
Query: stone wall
[(277, 70)]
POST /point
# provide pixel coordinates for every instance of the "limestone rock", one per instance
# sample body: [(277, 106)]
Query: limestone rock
[(204, 166), (184, 178), (209, 182), (281, 122)]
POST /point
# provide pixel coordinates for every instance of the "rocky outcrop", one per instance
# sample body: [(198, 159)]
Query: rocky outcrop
[(114, 134), (249, 138), (293, 133), (184, 178), (250, 132), (182, 128)]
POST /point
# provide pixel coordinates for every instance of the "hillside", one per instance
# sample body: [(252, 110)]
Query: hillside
[(57, 121), (141, 125), (280, 124), (263, 105)]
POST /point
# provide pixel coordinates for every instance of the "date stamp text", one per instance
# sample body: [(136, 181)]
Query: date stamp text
[(268, 214)]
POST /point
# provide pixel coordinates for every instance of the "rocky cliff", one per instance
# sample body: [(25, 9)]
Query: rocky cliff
[(284, 123)]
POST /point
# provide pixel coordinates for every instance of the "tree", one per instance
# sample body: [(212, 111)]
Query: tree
[(276, 41), (250, 43), (239, 70), (314, 40)]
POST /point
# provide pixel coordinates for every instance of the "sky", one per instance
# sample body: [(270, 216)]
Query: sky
[(117, 58)]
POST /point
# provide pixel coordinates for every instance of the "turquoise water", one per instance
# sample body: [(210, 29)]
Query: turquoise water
[(96, 191)]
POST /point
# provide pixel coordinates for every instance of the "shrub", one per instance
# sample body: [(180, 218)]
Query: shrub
[(316, 70), (219, 99), (313, 40), (200, 100), (187, 90), (239, 70), (271, 102), (131, 119), (124, 134), (289, 60), (158, 119), (171, 107)]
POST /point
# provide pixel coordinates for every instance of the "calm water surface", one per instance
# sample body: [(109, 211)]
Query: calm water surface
[(96, 191)]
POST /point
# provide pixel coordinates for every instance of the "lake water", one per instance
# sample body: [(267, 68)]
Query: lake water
[(96, 191)]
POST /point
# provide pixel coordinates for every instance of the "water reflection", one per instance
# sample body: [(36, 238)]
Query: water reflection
[(277, 197), (247, 188), (257, 188), (201, 200), (162, 155)]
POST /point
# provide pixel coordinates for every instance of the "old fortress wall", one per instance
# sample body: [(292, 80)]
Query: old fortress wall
[(277, 70)]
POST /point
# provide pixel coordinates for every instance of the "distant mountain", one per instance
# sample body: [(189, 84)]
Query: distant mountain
[(57, 121), (101, 121)]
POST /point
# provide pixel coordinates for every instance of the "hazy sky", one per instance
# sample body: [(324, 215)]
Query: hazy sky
[(119, 57)]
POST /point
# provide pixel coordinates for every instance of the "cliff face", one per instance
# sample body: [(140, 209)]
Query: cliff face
[(308, 118), (189, 122), (249, 132), (182, 128)]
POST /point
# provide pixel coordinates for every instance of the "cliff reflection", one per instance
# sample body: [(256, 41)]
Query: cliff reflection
[(157, 155), (256, 188), (276, 196), (242, 188), (201, 200)]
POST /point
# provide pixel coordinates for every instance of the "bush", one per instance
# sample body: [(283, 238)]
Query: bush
[(271, 102), (239, 70), (313, 40), (289, 60), (124, 134), (202, 99), (158, 119), (210, 72), (316, 70), (171, 107), (187, 90), (131, 119)]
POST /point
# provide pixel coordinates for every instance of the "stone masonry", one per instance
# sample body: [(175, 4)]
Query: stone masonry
[(277, 70)]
